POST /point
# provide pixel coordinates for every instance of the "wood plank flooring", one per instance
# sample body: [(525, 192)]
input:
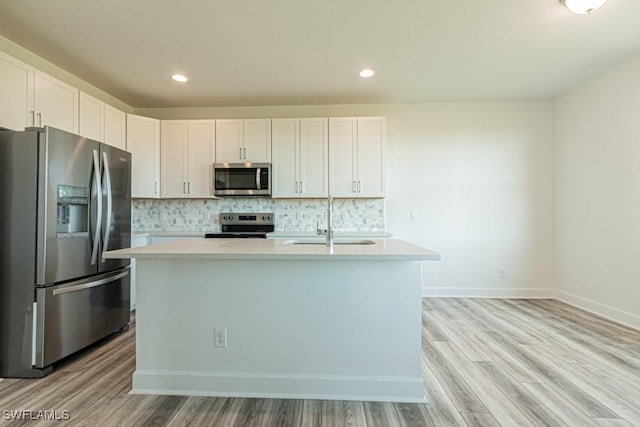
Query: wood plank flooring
[(486, 362)]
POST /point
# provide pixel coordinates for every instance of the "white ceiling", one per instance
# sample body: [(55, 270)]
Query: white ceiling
[(288, 52)]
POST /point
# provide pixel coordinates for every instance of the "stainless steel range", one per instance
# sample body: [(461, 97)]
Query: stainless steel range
[(244, 225)]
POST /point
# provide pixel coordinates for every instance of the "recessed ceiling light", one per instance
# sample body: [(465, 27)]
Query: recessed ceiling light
[(583, 7), (179, 78), (367, 72)]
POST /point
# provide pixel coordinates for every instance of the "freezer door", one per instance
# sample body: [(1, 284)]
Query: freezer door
[(116, 204), (68, 198), (77, 314)]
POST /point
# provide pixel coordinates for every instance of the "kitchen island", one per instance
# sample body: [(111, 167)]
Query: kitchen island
[(279, 318)]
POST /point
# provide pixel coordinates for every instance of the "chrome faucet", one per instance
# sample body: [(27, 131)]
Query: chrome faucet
[(328, 232)]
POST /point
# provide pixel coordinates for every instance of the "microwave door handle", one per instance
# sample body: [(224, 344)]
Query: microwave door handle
[(258, 178)]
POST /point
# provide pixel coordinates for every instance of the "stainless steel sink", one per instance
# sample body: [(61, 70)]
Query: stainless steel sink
[(337, 241)]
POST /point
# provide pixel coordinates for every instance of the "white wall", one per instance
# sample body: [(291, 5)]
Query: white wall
[(479, 174), (597, 194)]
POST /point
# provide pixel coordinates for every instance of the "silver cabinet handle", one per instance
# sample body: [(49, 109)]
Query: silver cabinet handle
[(39, 120), (354, 188), (75, 288), (301, 187), (96, 167), (358, 186), (107, 175), (155, 187), (240, 153), (33, 117)]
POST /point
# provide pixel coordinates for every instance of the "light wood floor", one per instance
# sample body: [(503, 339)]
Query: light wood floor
[(485, 363)]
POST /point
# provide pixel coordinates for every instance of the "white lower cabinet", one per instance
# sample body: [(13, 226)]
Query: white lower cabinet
[(163, 239)]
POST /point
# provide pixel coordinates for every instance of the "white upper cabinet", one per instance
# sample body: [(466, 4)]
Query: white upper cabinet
[(201, 156), (356, 147), (115, 127), (187, 152), (55, 103), (91, 119), (229, 141), (372, 136), (173, 155), (239, 141), (102, 122), (143, 142), (300, 158), (257, 140), (16, 93)]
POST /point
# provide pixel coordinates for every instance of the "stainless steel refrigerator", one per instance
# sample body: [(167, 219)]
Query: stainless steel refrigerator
[(64, 200)]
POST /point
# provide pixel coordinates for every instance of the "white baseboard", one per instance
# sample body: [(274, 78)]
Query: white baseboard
[(428, 291), (611, 313), (280, 386)]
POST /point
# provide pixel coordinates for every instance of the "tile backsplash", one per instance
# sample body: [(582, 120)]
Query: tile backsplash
[(289, 214)]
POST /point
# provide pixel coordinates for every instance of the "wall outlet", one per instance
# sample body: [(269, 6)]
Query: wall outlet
[(501, 273), (413, 215), (220, 337)]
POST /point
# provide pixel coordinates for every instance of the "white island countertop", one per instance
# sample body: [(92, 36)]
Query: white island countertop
[(380, 250)]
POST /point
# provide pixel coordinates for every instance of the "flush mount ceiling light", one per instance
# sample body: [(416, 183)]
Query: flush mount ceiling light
[(366, 73), (179, 78), (583, 7)]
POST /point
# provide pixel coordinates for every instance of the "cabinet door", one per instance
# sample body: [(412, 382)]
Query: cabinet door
[(115, 127), (143, 142), (56, 103), (229, 137), (202, 151), (16, 93), (285, 139), (343, 156), (91, 118), (174, 135), (371, 145), (257, 140), (314, 157)]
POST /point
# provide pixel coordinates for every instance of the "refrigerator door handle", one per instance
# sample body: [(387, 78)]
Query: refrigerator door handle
[(96, 239), (87, 285), (107, 175)]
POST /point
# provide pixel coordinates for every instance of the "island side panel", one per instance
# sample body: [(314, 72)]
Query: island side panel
[(297, 329)]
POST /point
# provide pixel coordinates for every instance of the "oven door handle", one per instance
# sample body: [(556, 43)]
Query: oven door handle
[(258, 179)]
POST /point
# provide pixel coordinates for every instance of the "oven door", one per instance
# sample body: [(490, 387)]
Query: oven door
[(242, 179)]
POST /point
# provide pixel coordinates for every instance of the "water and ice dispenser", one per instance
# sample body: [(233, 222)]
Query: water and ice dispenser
[(73, 211)]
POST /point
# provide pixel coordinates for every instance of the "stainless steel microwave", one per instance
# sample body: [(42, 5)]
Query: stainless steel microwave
[(242, 179)]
